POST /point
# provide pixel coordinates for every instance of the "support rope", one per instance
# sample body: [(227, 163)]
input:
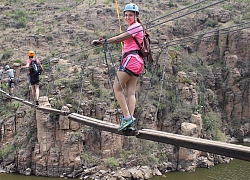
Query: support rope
[(50, 76), (119, 19), (196, 10), (162, 81), (106, 49), (82, 84), (145, 95)]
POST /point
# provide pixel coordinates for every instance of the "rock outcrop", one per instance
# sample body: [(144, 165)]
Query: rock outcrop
[(199, 88)]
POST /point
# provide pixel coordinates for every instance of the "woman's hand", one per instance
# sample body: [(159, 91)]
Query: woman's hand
[(96, 42)]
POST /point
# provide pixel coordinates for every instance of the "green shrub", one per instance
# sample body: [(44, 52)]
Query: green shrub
[(97, 92), (18, 61), (7, 54), (41, 30), (107, 2), (111, 162), (5, 152), (15, 105), (22, 21), (153, 159), (98, 50), (211, 23), (83, 56), (96, 84), (19, 14), (49, 37), (212, 124), (42, 1)]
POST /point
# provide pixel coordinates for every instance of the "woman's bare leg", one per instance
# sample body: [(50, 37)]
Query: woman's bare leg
[(123, 79), (130, 90), (36, 92), (33, 92)]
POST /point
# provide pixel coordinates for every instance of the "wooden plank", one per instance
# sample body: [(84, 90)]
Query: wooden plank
[(16, 98), (28, 103), (226, 149), (108, 125), (200, 140), (3, 92), (94, 120), (103, 125), (51, 110), (216, 147)]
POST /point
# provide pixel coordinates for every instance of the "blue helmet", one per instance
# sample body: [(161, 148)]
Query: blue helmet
[(131, 7), (7, 67)]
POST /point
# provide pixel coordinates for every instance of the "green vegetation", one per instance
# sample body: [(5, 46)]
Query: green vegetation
[(211, 23), (212, 125), (18, 61), (172, 4), (42, 1), (6, 151), (19, 13), (41, 30), (111, 162), (49, 37), (8, 53), (21, 17), (72, 48), (107, 2), (15, 105), (21, 23)]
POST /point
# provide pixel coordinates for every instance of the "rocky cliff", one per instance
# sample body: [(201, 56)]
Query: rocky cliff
[(197, 87)]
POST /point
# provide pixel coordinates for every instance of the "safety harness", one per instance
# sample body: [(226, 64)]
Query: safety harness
[(122, 67)]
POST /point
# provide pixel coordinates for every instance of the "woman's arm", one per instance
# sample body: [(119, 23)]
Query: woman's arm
[(27, 65), (113, 40), (119, 38)]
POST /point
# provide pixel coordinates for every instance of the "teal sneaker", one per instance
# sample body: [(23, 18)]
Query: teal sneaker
[(125, 123), (122, 122), (130, 127)]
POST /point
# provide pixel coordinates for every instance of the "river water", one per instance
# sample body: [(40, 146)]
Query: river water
[(235, 170)]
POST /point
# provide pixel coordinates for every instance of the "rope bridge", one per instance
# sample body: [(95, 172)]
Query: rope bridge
[(216, 147)]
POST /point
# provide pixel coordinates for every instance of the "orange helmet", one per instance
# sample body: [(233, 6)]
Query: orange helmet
[(31, 53)]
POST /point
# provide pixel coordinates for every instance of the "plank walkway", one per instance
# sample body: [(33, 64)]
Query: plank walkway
[(216, 147)]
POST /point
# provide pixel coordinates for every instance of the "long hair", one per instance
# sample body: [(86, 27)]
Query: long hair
[(144, 28)]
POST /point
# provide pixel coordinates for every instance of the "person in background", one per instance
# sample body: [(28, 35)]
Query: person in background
[(11, 79), (33, 78), (131, 66), (1, 75)]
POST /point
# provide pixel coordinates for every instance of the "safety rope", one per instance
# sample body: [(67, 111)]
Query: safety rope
[(216, 32), (50, 76), (107, 64), (16, 86), (28, 84), (82, 83), (106, 49), (189, 38), (145, 95), (119, 19), (79, 3), (174, 18), (151, 26), (162, 81), (185, 14), (70, 9)]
